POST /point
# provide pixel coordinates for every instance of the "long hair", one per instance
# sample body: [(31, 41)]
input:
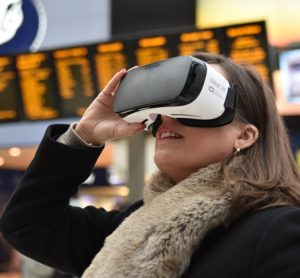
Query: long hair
[(269, 173)]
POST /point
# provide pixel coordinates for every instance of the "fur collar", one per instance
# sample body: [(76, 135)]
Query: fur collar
[(158, 239)]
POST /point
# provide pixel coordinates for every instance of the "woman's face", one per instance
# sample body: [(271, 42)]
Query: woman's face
[(181, 150)]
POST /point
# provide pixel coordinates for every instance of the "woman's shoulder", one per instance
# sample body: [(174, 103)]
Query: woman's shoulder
[(264, 243), (264, 221), (278, 246), (272, 215), (278, 222)]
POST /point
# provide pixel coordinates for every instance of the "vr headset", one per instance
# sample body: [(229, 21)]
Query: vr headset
[(183, 87)]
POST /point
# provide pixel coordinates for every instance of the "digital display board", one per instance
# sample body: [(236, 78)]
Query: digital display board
[(63, 82), (109, 58), (247, 43), (74, 78), (9, 104), (150, 50), (37, 86), (205, 40)]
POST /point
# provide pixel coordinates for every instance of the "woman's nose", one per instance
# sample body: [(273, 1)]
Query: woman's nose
[(165, 118)]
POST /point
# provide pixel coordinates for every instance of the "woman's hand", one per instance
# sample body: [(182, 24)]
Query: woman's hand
[(100, 123)]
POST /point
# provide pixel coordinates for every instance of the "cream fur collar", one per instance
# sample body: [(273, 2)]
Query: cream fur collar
[(158, 239)]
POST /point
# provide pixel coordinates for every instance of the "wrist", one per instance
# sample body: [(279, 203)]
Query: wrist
[(85, 135)]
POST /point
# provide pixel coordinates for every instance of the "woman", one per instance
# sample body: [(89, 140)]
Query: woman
[(225, 202)]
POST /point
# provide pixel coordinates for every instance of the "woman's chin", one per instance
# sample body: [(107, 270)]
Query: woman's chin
[(165, 161)]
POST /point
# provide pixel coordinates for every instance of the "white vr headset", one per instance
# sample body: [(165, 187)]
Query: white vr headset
[(183, 87)]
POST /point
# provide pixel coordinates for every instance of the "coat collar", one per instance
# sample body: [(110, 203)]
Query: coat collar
[(159, 239)]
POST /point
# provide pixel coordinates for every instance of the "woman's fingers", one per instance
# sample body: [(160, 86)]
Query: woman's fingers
[(100, 122), (114, 82), (134, 67), (127, 129)]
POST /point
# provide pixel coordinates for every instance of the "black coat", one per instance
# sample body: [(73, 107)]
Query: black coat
[(39, 223)]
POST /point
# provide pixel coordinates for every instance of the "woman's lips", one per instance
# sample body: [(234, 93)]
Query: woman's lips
[(168, 133)]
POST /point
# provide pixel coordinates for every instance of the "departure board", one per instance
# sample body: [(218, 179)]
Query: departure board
[(109, 58), (248, 43), (63, 82), (37, 84), (204, 40), (151, 49), (8, 91), (75, 81)]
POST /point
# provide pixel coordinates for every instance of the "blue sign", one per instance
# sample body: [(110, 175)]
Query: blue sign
[(22, 26)]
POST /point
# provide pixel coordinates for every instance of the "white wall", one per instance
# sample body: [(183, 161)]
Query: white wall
[(75, 22)]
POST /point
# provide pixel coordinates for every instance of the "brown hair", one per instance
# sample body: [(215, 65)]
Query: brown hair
[(269, 174)]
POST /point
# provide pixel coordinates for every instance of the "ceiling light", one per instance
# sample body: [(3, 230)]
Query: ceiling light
[(2, 161), (14, 152)]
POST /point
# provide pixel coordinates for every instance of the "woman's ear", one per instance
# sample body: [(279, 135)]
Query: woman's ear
[(248, 136)]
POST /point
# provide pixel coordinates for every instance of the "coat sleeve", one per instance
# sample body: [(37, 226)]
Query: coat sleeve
[(38, 220), (278, 250)]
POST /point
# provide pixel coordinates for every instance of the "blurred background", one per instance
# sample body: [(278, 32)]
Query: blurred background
[(56, 55)]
